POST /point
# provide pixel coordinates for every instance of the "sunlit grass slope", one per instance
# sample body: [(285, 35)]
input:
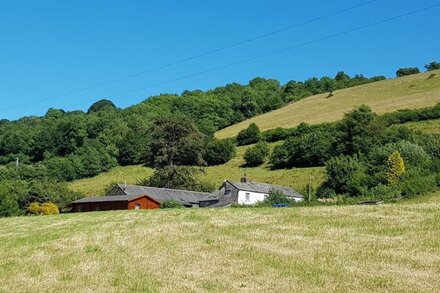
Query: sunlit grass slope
[(389, 248), (409, 92), (233, 170)]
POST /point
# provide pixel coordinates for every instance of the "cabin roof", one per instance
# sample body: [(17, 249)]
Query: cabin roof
[(264, 188), (108, 198), (164, 194)]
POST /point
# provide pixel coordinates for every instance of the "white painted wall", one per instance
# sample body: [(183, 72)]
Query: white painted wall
[(255, 197)]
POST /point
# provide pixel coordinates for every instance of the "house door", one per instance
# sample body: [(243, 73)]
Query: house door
[(137, 206)]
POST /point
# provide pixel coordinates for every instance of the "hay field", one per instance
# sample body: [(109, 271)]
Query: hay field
[(393, 248), (408, 92)]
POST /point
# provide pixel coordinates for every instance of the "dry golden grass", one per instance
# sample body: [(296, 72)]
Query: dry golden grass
[(409, 92), (392, 248)]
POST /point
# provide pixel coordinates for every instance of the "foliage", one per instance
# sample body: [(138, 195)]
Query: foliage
[(396, 168), (101, 105), (176, 141), (311, 148), (218, 151), (359, 130), (46, 208), (171, 204), (432, 66), (257, 154), (249, 135), (174, 177), (277, 197), (407, 71), (343, 175)]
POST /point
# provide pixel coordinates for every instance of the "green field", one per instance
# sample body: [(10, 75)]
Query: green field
[(409, 92), (394, 248), (233, 170), (428, 126)]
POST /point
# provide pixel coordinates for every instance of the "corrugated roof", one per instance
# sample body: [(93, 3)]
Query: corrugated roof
[(106, 198), (164, 194), (264, 188)]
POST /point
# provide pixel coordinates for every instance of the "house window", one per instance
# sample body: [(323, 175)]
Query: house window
[(138, 206), (247, 197)]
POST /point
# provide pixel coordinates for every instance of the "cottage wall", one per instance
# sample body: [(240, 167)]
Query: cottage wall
[(248, 197)]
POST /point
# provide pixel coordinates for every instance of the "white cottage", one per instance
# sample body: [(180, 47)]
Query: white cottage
[(248, 192)]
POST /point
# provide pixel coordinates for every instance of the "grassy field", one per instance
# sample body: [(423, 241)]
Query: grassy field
[(96, 185), (407, 92), (428, 126), (233, 170), (393, 248)]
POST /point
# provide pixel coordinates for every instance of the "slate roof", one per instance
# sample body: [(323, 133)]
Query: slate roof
[(265, 188), (107, 198), (164, 194)]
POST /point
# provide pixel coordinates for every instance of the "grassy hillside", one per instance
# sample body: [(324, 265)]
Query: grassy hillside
[(233, 170), (392, 248), (428, 126), (407, 92)]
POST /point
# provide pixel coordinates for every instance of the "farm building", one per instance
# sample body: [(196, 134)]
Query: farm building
[(119, 202), (123, 197), (247, 192)]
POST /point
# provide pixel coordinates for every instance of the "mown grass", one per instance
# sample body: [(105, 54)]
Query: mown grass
[(233, 170), (409, 92), (389, 248), (428, 126)]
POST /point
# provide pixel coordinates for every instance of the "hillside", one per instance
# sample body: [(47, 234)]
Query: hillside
[(391, 248), (409, 92), (233, 170)]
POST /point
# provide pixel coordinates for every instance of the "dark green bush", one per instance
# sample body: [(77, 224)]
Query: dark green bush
[(249, 135), (218, 151), (257, 154), (407, 71), (171, 204)]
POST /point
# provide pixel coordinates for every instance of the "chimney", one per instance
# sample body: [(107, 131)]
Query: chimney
[(244, 179)]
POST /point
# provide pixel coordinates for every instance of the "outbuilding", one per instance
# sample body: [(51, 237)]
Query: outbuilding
[(119, 202)]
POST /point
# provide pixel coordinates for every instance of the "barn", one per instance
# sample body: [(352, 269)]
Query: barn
[(119, 202)]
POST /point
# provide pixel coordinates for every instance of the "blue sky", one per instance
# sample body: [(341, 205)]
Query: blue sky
[(49, 48)]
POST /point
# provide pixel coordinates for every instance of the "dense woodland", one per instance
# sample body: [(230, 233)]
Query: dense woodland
[(170, 131)]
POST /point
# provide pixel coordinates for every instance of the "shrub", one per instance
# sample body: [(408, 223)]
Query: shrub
[(407, 71), (34, 208), (276, 197), (249, 135), (257, 154), (218, 151), (175, 177), (171, 204), (276, 134), (385, 192), (432, 66), (396, 168), (416, 183), (341, 173), (46, 208), (8, 205), (49, 208)]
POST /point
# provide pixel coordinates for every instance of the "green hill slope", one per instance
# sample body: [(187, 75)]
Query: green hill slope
[(389, 248), (233, 170), (409, 92)]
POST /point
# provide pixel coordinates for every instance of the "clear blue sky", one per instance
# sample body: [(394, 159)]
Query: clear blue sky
[(48, 48)]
